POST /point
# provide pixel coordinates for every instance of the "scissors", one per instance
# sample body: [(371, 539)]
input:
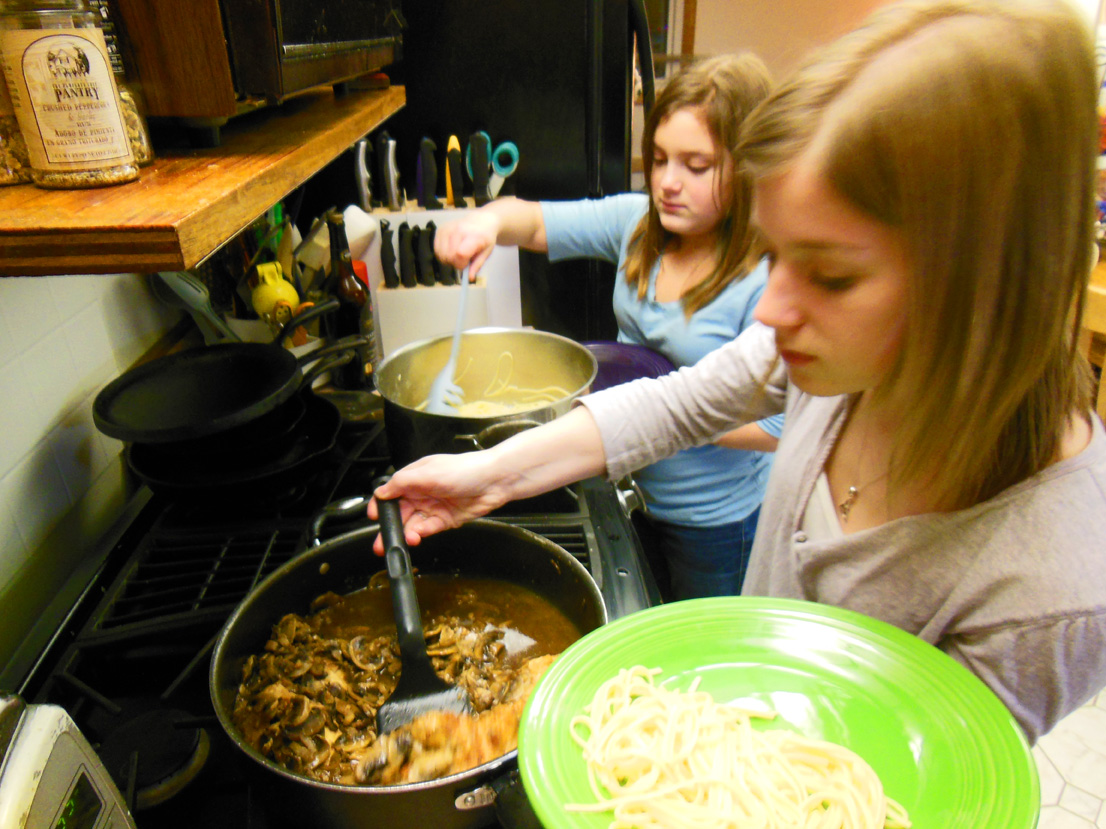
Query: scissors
[(504, 161)]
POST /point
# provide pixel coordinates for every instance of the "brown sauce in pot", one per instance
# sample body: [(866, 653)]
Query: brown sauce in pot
[(531, 625), (308, 699)]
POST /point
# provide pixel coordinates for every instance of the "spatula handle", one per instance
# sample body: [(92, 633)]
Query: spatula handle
[(412, 645)]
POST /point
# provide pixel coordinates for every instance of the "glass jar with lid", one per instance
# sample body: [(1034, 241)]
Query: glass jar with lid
[(14, 165), (129, 94), (64, 94)]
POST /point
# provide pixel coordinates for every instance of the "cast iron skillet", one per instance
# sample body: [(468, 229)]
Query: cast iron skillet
[(202, 391), (209, 476)]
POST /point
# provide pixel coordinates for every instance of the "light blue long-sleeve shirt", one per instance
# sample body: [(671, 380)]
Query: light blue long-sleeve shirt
[(704, 485)]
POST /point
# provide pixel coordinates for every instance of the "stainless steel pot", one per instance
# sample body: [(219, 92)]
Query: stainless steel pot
[(488, 357), (473, 798)]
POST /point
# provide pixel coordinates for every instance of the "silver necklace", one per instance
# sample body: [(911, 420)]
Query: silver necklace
[(853, 492)]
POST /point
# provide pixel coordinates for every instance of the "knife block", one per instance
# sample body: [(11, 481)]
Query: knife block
[(406, 315)]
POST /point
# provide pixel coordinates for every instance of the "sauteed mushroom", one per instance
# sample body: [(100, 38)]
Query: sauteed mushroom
[(309, 699)]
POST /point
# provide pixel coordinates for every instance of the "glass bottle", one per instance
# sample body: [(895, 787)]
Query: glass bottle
[(352, 296), (63, 91), (14, 165)]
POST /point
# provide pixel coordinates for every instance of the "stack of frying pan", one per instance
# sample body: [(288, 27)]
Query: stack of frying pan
[(227, 418)]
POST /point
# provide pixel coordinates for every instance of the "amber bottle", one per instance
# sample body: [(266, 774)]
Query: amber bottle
[(353, 297)]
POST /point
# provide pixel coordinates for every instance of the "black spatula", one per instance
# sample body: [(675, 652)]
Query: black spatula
[(419, 689)]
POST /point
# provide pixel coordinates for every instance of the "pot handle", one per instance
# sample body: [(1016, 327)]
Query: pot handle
[(495, 434), (506, 794), (347, 508)]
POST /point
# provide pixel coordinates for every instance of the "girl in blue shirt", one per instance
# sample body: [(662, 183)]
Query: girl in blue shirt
[(688, 282)]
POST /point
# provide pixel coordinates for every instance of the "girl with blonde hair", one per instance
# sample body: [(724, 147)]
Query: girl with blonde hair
[(924, 187)]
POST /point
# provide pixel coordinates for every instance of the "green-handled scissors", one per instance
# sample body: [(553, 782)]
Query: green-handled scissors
[(504, 161)]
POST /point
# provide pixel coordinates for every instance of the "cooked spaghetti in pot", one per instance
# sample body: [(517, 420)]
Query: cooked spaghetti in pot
[(503, 395)]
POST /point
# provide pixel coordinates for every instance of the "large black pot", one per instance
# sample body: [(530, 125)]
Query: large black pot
[(467, 800), (539, 360)]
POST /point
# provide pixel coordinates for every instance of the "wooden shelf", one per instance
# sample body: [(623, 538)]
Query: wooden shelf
[(189, 202)]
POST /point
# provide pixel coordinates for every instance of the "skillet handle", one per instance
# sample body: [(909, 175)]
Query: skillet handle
[(308, 315), (344, 345), (412, 644), (323, 366)]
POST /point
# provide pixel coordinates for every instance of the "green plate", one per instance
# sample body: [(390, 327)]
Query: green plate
[(943, 744)]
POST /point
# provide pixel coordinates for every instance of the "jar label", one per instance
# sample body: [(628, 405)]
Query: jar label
[(64, 96)]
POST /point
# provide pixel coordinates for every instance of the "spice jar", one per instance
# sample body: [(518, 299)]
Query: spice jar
[(64, 94), (14, 166), (135, 124), (137, 132)]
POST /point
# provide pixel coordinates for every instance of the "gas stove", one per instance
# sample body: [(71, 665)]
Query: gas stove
[(130, 665)]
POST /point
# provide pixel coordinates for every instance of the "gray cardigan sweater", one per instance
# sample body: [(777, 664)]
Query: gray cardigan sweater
[(1013, 588)]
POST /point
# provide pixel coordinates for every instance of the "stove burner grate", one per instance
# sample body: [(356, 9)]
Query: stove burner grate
[(182, 573)]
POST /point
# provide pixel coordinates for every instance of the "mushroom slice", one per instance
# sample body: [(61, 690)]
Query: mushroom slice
[(311, 725)]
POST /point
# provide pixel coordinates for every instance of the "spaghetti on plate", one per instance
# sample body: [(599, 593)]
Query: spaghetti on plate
[(664, 758)]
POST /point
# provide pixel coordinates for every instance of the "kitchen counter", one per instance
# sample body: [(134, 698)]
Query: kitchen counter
[(189, 202)]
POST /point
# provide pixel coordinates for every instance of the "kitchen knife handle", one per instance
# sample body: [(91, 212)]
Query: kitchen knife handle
[(447, 274), (407, 256), (361, 169), (388, 255), (424, 256), (480, 155), (443, 271), (424, 253), (382, 139), (454, 183), (395, 196), (428, 176)]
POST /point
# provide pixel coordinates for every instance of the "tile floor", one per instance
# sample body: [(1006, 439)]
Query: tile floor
[(1072, 762)]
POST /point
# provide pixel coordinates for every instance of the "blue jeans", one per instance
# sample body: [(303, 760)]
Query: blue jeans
[(693, 562)]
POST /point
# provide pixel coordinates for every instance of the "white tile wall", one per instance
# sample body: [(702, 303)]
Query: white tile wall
[(61, 340)]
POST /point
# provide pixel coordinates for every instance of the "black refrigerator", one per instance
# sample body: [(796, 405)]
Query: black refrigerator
[(554, 77)]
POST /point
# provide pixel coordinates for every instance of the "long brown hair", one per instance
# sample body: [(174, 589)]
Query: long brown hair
[(970, 126), (724, 90)]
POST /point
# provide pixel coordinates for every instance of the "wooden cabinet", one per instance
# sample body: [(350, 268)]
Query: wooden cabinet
[(188, 202)]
